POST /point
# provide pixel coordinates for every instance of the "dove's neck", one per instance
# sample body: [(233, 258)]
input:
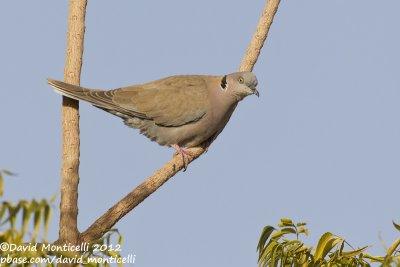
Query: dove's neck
[(223, 103)]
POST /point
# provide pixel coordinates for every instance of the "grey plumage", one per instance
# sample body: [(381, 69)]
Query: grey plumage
[(182, 111)]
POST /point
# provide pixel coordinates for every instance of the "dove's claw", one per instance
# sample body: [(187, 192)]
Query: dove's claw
[(186, 155)]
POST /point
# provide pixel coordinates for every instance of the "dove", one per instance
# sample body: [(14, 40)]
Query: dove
[(181, 111)]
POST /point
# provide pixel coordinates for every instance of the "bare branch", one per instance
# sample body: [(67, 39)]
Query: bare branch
[(134, 198), (152, 183), (68, 230), (259, 37)]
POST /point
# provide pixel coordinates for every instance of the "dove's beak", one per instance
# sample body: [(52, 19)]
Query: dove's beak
[(255, 91)]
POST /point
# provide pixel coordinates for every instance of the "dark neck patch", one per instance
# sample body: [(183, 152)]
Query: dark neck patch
[(223, 82)]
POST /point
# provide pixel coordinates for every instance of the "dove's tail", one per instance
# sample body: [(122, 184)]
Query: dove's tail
[(70, 90), (98, 98)]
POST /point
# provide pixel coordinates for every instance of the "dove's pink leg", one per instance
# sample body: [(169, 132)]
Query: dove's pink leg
[(186, 155)]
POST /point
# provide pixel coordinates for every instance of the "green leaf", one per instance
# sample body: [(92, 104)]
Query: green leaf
[(53, 198), (26, 214), (397, 226), (325, 244), (282, 232), (46, 219), (341, 248), (393, 247), (288, 230), (266, 253), (120, 239), (303, 230), (3, 209), (2, 174), (354, 253), (277, 235), (374, 258), (276, 254), (266, 232), (286, 222), (36, 222), (1, 185), (303, 248), (12, 213), (8, 173)]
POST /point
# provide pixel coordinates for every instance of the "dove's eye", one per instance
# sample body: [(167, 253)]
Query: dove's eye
[(241, 80)]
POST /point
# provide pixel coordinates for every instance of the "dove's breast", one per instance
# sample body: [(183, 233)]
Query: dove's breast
[(188, 135), (187, 117)]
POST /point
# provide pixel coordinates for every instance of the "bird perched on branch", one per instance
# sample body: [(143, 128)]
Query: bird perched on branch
[(179, 111)]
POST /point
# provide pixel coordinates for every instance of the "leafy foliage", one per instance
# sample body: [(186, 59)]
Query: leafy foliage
[(27, 222), (2, 174), (275, 248)]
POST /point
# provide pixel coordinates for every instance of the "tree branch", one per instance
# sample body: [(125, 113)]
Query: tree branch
[(152, 183), (259, 37), (68, 230), (103, 224)]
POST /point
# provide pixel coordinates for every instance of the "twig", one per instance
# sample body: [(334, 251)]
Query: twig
[(68, 230), (152, 183)]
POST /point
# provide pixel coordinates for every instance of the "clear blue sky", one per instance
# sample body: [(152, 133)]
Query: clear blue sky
[(321, 144)]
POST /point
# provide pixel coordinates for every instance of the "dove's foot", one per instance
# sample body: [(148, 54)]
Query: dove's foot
[(185, 153)]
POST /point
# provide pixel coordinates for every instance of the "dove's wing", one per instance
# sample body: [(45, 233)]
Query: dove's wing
[(173, 101)]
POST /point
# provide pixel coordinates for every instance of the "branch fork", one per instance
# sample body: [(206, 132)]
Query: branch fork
[(70, 178)]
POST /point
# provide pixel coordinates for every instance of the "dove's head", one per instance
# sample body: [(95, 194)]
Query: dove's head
[(240, 84)]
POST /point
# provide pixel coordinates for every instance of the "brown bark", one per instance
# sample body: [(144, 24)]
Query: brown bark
[(257, 42), (68, 230), (152, 183)]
